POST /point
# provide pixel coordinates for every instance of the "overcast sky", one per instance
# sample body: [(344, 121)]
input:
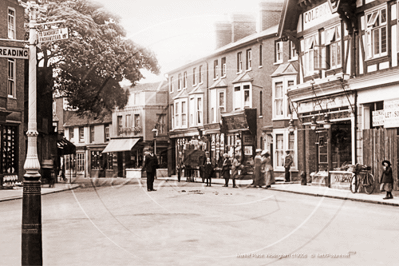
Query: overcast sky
[(178, 31)]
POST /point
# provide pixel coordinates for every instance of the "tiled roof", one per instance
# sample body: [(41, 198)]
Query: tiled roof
[(218, 84), (285, 69), (72, 119)]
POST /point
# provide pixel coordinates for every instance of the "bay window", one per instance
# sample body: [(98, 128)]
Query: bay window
[(279, 98), (284, 141), (196, 110), (279, 150), (376, 33), (242, 96), (217, 104), (280, 86)]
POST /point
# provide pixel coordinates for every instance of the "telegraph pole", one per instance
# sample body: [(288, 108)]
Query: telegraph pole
[(31, 201)]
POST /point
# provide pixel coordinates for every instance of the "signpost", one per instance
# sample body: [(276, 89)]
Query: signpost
[(52, 35)]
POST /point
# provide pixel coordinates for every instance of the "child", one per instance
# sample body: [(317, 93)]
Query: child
[(208, 171), (386, 179)]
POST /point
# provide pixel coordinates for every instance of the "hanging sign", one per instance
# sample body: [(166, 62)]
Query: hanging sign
[(52, 35), (14, 52)]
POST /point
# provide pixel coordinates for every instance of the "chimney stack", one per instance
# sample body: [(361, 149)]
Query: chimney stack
[(223, 33), (243, 25), (270, 13)]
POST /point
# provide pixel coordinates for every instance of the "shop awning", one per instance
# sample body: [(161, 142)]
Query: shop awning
[(65, 146), (117, 145)]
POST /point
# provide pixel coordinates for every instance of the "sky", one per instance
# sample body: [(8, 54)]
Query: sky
[(177, 31)]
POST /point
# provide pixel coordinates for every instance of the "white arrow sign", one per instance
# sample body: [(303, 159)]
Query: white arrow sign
[(53, 35)]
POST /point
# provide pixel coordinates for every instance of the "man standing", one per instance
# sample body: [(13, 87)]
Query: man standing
[(150, 166), (287, 165), (226, 169)]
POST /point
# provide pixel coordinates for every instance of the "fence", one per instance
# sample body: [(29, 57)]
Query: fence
[(381, 144)]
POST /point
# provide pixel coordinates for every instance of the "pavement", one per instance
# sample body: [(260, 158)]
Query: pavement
[(291, 187)]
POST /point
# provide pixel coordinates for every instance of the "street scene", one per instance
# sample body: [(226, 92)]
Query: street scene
[(194, 132)]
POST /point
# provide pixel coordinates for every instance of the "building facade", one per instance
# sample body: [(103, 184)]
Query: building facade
[(141, 123), (346, 95), (222, 103), (13, 81)]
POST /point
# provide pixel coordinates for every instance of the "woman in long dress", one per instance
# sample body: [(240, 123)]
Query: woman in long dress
[(258, 177), (269, 173)]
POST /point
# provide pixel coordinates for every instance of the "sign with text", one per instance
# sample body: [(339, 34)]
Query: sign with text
[(378, 118), (53, 35), (13, 52), (238, 121), (391, 111), (317, 15), (327, 103)]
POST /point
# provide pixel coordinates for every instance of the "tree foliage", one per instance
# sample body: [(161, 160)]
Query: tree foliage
[(89, 66)]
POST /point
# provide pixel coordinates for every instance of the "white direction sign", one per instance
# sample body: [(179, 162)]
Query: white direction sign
[(53, 35), (14, 52)]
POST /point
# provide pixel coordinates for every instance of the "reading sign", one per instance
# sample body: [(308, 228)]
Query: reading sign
[(13, 52), (53, 35)]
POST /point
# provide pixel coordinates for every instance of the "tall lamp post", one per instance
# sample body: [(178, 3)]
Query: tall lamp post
[(31, 201), (155, 134)]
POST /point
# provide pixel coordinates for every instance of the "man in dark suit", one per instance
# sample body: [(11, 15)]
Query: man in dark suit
[(150, 166)]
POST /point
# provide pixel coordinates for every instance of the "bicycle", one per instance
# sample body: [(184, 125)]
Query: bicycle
[(361, 177)]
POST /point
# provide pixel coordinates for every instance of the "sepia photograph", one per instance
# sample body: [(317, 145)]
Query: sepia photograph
[(199, 132)]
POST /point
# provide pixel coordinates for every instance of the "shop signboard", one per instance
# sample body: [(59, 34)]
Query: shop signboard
[(317, 15), (327, 103), (391, 111), (248, 150), (237, 121), (378, 118)]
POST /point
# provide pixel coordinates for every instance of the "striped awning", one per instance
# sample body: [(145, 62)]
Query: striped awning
[(117, 145)]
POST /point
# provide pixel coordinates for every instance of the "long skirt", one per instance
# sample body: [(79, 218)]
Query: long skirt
[(268, 178), (388, 187)]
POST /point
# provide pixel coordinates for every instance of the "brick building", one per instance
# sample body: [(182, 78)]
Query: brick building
[(13, 64), (221, 103)]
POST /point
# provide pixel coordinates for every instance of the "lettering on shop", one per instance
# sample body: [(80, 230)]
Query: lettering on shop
[(317, 15), (12, 52), (236, 122)]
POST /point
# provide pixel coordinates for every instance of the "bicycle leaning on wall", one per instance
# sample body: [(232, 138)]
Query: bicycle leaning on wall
[(362, 178)]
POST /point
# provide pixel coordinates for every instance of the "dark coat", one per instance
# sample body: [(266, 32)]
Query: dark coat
[(151, 163), (226, 168), (386, 176), (208, 170)]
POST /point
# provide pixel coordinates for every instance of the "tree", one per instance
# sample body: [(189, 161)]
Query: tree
[(89, 66)]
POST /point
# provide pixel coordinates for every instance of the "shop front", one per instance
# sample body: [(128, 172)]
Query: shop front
[(331, 141), (124, 157), (239, 138)]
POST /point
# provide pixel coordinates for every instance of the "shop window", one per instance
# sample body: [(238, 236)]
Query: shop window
[(279, 150), (110, 161), (11, 23), (80, 159), (96, 159), (9, 154), (376, 33)]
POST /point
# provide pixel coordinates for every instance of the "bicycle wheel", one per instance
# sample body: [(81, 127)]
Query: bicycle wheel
[(353, 184), (368, 183)]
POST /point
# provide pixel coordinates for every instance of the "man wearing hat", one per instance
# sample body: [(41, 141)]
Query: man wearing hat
[(287, 165), (226, 169), (150, 166)]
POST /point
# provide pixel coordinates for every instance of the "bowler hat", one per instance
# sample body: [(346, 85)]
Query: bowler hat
[(386, 161)]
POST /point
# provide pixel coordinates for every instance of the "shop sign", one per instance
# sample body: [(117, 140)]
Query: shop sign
[(378, 118), (248, 150), (323, 104), (317, 15), (238, 121), (215, 126), (247, 139), (391, 111), (13, 52)]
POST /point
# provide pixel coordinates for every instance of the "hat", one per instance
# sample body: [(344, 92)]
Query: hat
[(386, 161), (263, 152), (258, 150)]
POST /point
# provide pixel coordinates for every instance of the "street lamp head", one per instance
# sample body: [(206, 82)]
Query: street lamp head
[(313, 124), (291, 127), (327, 123)]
